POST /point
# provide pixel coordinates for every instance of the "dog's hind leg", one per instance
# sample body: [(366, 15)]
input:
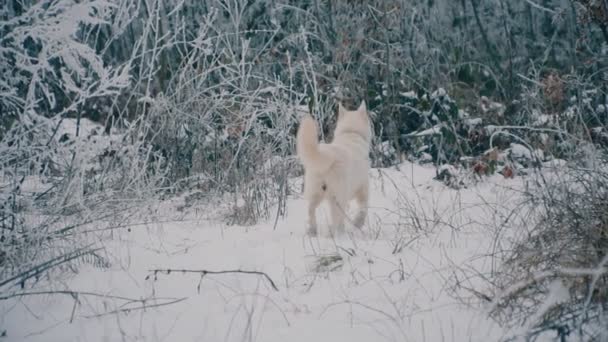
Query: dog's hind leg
[(337, 209), (313, 202), (362, 198)]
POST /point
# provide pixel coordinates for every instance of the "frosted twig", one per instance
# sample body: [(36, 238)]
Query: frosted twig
[(205, 272)]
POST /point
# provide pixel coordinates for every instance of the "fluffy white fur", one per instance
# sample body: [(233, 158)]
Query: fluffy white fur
[(337, 172)]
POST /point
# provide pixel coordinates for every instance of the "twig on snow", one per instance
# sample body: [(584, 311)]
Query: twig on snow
[(205, 272)]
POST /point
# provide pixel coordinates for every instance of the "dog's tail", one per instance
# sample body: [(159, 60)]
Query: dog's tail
[(308, 147)]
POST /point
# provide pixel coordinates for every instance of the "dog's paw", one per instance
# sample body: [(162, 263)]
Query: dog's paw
[(359, 220), (312, 230), (337, 231)]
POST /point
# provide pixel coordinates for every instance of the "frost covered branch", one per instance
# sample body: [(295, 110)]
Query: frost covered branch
[(203, 273)]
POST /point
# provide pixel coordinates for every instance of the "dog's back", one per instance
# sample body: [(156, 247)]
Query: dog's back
[(337, 171)]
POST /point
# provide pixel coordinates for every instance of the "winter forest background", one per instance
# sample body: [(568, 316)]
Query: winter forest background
[(109, 105)]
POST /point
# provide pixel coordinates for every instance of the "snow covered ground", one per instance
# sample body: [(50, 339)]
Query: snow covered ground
[(393, 281)]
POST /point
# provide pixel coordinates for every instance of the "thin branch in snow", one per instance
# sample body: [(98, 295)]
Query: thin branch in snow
[(205, 272)]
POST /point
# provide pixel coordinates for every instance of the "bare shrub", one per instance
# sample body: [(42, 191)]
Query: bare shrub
[(555, 277), (234, 140), (59, 172)]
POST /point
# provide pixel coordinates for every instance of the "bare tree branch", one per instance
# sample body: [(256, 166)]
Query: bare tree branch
[(205, 272)]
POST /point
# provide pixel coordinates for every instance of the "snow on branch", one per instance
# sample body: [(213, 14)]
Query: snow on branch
[(203, 273)]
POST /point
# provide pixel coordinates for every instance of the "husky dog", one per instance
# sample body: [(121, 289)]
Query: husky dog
[(339, 171)]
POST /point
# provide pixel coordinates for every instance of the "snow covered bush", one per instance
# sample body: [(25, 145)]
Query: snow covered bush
[(59, 171), (430, 127), (555, 278), (48, 63), (228, 144), (56, 177), (114, 101)]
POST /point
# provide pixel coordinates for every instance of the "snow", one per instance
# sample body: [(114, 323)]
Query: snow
[(491, 129), (519, 151), (146, 100), (490, 106), (542, 120), (463, 114), (422, 148), (447, 168), (425, 157), (387, 149), (540, 154), (431, 131), (268, 90), (439, 93), (391, 282), (410, 95), (558, 293), (473, 122), (69, 126)]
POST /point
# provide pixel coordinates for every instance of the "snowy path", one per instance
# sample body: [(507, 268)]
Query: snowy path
[(393, 283)]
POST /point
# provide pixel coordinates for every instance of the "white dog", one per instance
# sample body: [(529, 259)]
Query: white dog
[(338, 171)]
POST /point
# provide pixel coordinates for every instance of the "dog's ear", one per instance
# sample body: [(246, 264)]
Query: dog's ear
[(362, 107)]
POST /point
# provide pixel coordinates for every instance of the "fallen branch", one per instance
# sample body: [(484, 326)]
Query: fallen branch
[(144, 306), (145, 302), (47, 265), (205, 272), (76, 294)]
